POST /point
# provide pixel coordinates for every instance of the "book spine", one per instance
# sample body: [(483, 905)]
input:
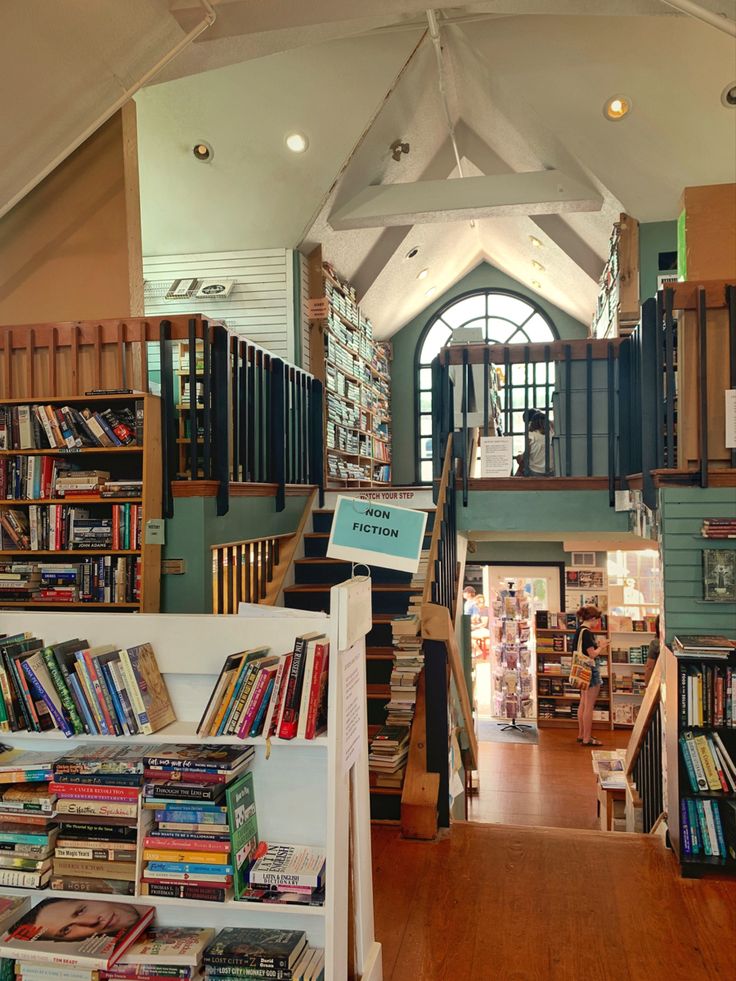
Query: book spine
[(41, 693), (703, 826), (134, 692), (685, 749), (111, 696), (172, 890), (82, 791), (275, 696), (191, 867), (122, 691), (184, 855), (94, 854), (708, 811), (309, 658), (712, 749), (235, 699), (199, 844), (683, 697), (315, 691), (684, 828), (7, 694), (709, 767), (696, 761), (76, 688), (247, 973), (258, 721), (96, 808), (289, 722), (23, 880), (64, 694), (695, 837), (86, 683), (81, 884), (254, 703), (24, 700)]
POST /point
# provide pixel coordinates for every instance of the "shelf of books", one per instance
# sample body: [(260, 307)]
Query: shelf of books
[(183, 381), (630, 641), (216, 785), (356, 372), (80, 479), (700, 681)]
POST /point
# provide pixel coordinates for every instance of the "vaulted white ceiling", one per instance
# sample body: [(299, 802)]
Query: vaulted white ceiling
[(527, 82)]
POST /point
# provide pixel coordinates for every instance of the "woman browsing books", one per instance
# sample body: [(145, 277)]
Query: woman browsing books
[(589, 618)]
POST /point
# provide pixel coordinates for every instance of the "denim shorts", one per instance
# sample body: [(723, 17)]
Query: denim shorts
[(595, 678)]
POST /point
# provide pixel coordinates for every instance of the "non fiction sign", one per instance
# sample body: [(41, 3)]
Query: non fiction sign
[(377, 534)]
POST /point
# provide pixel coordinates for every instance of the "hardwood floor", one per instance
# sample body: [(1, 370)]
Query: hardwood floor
[(493, 903), (550, 784)]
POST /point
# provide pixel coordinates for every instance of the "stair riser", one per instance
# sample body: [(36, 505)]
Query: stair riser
[(322, 521), (332, 572), (316, 548), (393, 602), (376, 711), (385, 807), (379, 635), (378, 672)]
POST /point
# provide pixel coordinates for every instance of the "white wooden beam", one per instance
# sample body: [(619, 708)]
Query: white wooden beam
[(544, 192)]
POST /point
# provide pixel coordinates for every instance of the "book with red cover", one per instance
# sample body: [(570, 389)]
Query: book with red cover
[(292, 697)]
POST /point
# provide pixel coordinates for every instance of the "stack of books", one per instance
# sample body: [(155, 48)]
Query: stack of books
[(98, 792), (163, 952), (188, 851), (388, 754), (408, 662), (80, 483), (122, 488), (28, 827), (78, 689), (262, 694), (248, 953), (60, 938), (29, 427), (287, 875), (19, 581), (703, 645), (31, 478), (719, 528)]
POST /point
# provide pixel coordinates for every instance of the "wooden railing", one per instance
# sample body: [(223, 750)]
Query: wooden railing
[(440, 585), (644, 759)]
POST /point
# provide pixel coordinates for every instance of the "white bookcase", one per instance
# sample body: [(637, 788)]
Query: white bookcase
[(304, 791)]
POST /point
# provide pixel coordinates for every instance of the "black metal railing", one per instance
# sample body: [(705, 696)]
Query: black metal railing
[(647, 771), (251, 417)]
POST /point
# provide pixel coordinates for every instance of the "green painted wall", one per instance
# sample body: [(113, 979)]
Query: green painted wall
[(551, 511), (195, 527), (682, 510), (511, 552), (404, 342), (654, 237)]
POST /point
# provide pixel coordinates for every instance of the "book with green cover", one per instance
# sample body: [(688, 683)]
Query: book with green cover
[(243, 824)]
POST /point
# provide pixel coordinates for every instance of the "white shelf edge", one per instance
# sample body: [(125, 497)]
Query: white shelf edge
[(277, 909), (176, 732)]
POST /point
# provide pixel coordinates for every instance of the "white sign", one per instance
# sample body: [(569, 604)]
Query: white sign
[(624, 501), (354, 610), (731, 418), (496, 456), (353, 704), (377, 534), (155, 531)]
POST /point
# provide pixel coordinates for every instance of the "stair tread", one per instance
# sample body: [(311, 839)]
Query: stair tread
[(314, 559), (315, 587), (378, 691)]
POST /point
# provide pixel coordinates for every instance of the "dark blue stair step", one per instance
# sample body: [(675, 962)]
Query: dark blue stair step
[(315, 543), (386, 805), (388, 600), (322, 520), (311, 571)]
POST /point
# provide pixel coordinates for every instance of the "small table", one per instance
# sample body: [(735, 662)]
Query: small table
[(606, 798)]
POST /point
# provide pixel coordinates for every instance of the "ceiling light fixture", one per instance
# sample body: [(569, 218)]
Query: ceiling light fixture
[(728, 96), (423, 274), (431, 291), (536, 284), (537, 265), (297, 142), (413, 251), (203, 151), (536, 242), (616, 107)]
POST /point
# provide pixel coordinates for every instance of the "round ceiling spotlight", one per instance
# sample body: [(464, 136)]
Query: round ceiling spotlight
[(617, 107), (536, 284), (203, 151), (728, 96), (297, 142), (538, 265), (413, 251), (423, 274), (536, 242), (431, 291)]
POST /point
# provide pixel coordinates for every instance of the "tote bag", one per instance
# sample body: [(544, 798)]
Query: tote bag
[(581, 671)]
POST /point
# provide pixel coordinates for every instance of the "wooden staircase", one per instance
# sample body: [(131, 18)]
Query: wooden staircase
[(314, 575)]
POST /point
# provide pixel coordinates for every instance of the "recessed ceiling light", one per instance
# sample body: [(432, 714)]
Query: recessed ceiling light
[(413, 251), (536, 284), (538, 265), (423, 274), (203, 151), (536, 242), (616, 107), (728, 96), (432, 290), (297, 142)]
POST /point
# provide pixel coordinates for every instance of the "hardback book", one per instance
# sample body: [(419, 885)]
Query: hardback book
[(243, 825), (209, 757), (289, 865), (247, 947), (216, 703), (80, 883), (54, 933), (144, 682), (95, 758), (292, 697), (12, 908), (169, 945), (704, 645)]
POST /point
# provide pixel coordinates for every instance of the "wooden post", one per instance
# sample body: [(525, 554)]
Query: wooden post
[(419, 795)]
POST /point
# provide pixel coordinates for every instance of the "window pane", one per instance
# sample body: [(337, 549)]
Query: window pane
[(465, 310), (474, 332), (509, 307), (538, 329), (425, 401), (499, 331), (433, 342), (425, 425), (425, 377), (517, 374), (425, 472), (426, 446)]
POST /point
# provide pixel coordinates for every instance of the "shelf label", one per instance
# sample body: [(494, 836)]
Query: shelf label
[(377, 534), (155, 531)]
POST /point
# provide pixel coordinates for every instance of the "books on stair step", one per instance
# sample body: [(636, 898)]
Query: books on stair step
[(389, 750), (420, 576), (405, 626)]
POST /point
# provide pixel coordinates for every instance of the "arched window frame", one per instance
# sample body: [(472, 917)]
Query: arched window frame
[(438, 315)]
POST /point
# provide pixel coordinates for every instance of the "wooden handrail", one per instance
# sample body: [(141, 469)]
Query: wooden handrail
[(252, 541), (649, 704), (441, 495), (539, 352)]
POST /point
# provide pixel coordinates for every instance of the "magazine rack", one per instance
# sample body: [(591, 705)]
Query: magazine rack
[(305, 790)]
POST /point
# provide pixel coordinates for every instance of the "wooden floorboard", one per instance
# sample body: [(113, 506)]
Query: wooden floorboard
[(546, 904)]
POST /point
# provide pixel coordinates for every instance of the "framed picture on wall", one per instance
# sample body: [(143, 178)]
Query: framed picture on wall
[(719, 575)]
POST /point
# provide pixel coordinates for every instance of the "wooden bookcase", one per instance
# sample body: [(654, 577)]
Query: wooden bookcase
[(617, 311), (139, 462), (625, 640), (183, 405), (311, 792), (356, 375), (549, 633)]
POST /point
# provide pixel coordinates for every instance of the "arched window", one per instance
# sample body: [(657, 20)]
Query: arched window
[(503, 317)]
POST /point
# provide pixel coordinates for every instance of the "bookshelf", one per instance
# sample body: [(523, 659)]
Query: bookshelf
[(557, 701), (356, 372), (305, 792), (183, 378), (678, 786), (131, 572), (628, 664)]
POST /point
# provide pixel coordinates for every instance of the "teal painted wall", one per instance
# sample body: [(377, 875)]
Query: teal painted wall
[(404, 342), (654, 237), (511, 552), (195, 527), (682, 510), (549, 511)]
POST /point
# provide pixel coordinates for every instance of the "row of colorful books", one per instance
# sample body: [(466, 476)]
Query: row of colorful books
[(258, 693), (66, 940), (79, 689), (62, 527), (37, 478), (708, 827), (94, 579), (708, 695), (708, 762), (29, 427)]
